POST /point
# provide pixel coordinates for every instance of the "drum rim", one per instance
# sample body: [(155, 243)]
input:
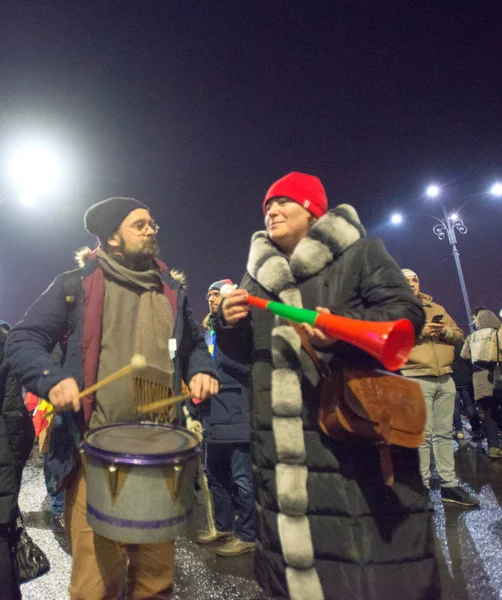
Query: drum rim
[(153, 460)]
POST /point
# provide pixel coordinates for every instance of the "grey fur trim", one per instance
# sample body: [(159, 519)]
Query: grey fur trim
[(289, 440), (349, 213), (275, 274), (312, 257), (329, 237), (291, 483), (292, 296), (296, 541), (286, 347), (286, 393), (304, 585)]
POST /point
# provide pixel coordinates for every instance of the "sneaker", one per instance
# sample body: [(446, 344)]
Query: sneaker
[(211, 537), (459, 435), (235, 547), (494, 452), (457, 495), (57, 523)]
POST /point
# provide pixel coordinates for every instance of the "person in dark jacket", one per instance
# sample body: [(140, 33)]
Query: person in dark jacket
[(226, 424), (16, 441), (464, 397), (123, 301), (329, 527)]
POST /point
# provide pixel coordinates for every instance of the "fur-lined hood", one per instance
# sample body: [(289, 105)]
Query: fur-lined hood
[(327, 239), (85, 254)]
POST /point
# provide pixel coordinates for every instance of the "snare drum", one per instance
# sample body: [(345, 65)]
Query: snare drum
[(140, 481)]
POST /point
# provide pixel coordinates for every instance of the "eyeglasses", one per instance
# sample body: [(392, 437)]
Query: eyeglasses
[(213, 294), (142, 223)]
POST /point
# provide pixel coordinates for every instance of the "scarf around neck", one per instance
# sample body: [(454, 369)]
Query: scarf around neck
[(141, 291)]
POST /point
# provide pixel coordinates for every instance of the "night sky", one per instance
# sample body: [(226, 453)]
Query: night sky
[(195, 108)]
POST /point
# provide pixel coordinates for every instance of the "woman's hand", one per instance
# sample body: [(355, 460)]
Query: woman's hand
[(235, 307), (317, 338)]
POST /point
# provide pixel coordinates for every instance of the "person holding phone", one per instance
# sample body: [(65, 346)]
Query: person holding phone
[(430, 365)]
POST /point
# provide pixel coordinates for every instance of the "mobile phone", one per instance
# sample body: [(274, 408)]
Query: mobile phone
[(437, 319)]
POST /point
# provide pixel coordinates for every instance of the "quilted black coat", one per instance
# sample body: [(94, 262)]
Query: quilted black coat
[(346, 536)]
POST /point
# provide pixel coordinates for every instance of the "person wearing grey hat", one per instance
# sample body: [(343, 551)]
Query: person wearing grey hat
[(122, 301), (430, 365)]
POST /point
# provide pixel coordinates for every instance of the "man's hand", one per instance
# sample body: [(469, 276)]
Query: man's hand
[(64, 395), (203, 385), (434, 330), (317, 338), (235, 307)]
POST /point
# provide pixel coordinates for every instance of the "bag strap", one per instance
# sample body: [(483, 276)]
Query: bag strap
[(322, 368), (498, 347)]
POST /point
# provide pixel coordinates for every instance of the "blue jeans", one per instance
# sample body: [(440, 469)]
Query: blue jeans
[(464, 397), (56, 498), (228, 467)]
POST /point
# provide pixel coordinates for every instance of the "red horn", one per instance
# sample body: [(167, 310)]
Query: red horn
[(391, 342)]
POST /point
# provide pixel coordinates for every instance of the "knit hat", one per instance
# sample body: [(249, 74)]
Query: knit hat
[(217, 285), (104, 218), (409, 273), (304, 189)]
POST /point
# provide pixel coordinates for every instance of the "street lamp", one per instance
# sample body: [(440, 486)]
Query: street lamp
[(445, 228)]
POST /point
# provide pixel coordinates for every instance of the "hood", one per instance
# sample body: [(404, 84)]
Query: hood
[(486, 318)]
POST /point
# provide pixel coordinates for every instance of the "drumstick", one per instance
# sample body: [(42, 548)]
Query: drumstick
[(153, 406), (137, 363)]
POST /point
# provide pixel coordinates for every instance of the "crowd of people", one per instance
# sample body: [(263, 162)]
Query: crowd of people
[(313, 507)]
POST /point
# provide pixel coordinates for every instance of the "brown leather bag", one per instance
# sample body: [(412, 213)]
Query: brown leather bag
[(370, 405)]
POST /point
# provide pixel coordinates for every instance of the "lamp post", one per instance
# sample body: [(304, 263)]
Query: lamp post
[(445, 228)]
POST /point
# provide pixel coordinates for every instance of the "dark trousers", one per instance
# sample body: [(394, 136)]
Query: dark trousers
[(229, 468), (464, 396), (9, 586), (488, 404)]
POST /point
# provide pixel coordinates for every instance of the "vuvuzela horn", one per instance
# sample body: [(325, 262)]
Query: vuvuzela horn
[(390, 342)]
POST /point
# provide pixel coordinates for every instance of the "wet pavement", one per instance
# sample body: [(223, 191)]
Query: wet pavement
[(469, 542)]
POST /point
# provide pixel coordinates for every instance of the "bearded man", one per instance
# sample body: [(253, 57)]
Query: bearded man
[(122, 301)]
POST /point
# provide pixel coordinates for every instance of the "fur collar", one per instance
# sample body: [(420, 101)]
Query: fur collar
[(328, 238)]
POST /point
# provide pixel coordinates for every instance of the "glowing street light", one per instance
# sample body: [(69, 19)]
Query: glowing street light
[(496, 189), (396, 219), (433, 191), (34, 171)]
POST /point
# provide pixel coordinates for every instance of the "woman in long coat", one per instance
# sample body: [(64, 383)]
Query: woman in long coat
[(329, 527)]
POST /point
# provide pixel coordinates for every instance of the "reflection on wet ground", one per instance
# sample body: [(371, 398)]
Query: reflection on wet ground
[(469, 542)]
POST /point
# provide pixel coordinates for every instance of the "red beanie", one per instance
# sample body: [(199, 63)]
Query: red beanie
[(304, 189)]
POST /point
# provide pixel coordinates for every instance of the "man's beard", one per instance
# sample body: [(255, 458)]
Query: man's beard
[(141, 260)]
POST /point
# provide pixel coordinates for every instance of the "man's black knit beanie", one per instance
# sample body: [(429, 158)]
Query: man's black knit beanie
[(104, 218)]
